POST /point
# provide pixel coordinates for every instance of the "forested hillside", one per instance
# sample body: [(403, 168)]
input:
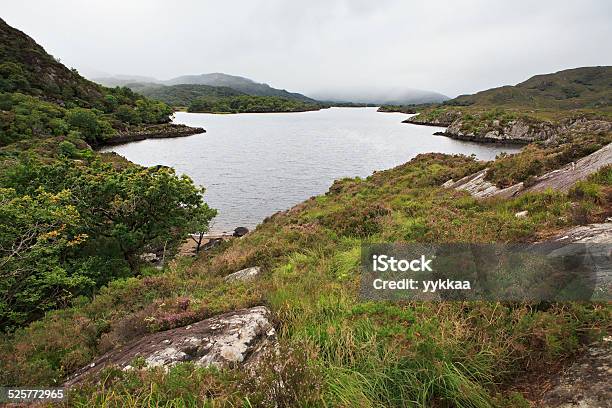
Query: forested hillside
[(72, 220), (40, 97), (184, 94), (220, 99), (250, 104), (238, 83)]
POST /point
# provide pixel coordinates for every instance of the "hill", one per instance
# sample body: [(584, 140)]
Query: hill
[(124, 80), (40, 98), (72, 219), (391, 96), (587, 87), (238, 83), (250, 104), (28, 69), (220, 99), (467, 353), (533, 110), (183, 94)]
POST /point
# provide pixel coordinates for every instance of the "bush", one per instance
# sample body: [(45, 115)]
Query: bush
[(93, 128), (360, 220)]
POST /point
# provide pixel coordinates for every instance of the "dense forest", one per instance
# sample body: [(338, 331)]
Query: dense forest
[(250, 104), (184, 94), (221, 99)]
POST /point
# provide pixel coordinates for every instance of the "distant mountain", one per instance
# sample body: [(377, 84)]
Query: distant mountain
[(587, 87), (395, 96), (124, 80), (238, 83), (183, 94)]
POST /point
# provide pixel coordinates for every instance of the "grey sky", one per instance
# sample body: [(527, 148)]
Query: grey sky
[(452, 47)]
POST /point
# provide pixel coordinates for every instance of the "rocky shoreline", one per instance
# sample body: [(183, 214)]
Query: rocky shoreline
[(168, 130), (519, 131), (480, 139)]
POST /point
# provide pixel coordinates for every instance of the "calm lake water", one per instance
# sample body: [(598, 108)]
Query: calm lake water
[(253, 165)]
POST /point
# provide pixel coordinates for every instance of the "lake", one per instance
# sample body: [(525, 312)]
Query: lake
[(254, 165)]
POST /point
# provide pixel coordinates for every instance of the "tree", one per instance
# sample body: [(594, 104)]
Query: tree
[(134, 207), (87, 122), (35, 232), (126, 113), (200, 224)]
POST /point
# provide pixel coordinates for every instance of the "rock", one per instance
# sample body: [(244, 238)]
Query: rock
[(243, 275), (519, 131), (151, 257), (564, 178), (521, 214), (446, 118), (476, 185), (448, 183), (560, 180), (212, 243), (591, 233), (599, 237), (236, 339), (241, 231), (586, 383)]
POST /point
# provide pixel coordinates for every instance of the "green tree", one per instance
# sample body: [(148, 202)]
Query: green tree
[(35, 233), (199, 224), (126, 113), (92, 128)]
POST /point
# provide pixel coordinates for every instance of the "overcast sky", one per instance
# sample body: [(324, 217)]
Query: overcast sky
[(312, 46)]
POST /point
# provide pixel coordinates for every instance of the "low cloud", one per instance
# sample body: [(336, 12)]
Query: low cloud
[(324, 47)]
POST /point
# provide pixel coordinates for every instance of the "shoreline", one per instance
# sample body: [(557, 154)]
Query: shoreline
[(420, 123), (165, 131), (477, 139), (469, 138)]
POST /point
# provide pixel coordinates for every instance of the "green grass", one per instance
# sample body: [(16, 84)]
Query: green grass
[(345, 352)]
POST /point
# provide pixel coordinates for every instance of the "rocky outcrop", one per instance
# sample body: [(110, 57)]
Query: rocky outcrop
[(599, 238), (517, 131), (591, 233), (586, 383), (564, 178), (442, 119), (244, 275), (240, 232), (560, 180), (475, 184), (167, 130), (235, 339), (397, 109)]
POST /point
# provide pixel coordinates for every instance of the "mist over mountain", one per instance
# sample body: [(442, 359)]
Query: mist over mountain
[(395, 96), (124, 80), (217, 79)]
